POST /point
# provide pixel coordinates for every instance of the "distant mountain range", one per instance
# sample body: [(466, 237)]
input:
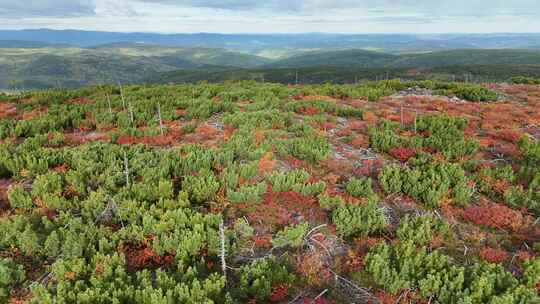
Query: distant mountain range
[(277, 44), (47, 58)]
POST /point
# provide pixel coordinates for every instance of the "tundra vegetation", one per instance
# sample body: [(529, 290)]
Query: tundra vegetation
[(264, 193)]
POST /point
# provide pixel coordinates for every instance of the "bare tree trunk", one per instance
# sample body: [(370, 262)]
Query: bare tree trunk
[(131, 114), (109, 103), (126, 169), (222, 252), (122, 96), (160, 120)]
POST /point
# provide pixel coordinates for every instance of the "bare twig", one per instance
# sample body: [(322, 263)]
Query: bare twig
[(160, 120), (403, 294), (131, 114), (222, 252), (122, 96), (361, 293), (108, 213), (126, 169), (109, 103), (315, 229)]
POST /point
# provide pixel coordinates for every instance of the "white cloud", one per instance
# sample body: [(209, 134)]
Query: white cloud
[(271, 16), (40, 8)]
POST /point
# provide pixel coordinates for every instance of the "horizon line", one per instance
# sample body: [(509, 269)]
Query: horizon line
[(269, 34)]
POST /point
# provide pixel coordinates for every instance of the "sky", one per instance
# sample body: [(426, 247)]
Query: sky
[(275, 16)]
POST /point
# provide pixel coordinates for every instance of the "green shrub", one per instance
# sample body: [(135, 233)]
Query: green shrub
[(11, 274), (433, 274), (428, 182), (292, 236), (531, 272), (283, 182), (247, 194), (201, 188), (258, 278), (420, 229), (361, 188), (19, 198), (311, 148), (359, 220)]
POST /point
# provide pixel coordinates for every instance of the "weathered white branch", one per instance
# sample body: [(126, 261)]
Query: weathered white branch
[(126, 169), (222, 251), (160, 120)]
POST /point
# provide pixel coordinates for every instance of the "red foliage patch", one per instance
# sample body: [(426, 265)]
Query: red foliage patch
[(206, 132), (262, 241), (308, 111), (357, 125), (63, 168), (7, 110), (403, 154), (140, 256), (285, 208), (386, 298), (312, 267), (352, 262), (523, 256), (279, 292), (343, 132), (512, 136), (493, 255), (368, 167), (126, 140), (360, 141), (370, 117), (160, 140), (494, 216), (295, 163), (266, 164)]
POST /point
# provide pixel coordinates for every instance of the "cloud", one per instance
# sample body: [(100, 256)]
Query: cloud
[(287, 5), (286, 16), (460, 7), (46, 8)]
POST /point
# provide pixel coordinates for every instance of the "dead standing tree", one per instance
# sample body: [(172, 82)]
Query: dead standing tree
[(160, 120)]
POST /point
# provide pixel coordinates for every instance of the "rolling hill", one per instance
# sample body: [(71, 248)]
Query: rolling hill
[(343, 58), (126, 62), (369, 59), (468, 57), (73, 67)]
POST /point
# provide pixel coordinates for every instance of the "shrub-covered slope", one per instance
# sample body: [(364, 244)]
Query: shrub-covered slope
[(381, 192)]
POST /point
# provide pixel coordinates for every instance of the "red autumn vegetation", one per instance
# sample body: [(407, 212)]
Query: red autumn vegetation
[(285, 208), (206, 132), (279, 292), (494, 215), (403, 154), (493, 255), (140, 256), (312, 267)]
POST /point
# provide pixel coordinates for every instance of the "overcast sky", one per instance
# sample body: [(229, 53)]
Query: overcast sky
[(275, 16)]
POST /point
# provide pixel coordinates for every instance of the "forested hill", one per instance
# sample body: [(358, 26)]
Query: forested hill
[(45, 66)]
